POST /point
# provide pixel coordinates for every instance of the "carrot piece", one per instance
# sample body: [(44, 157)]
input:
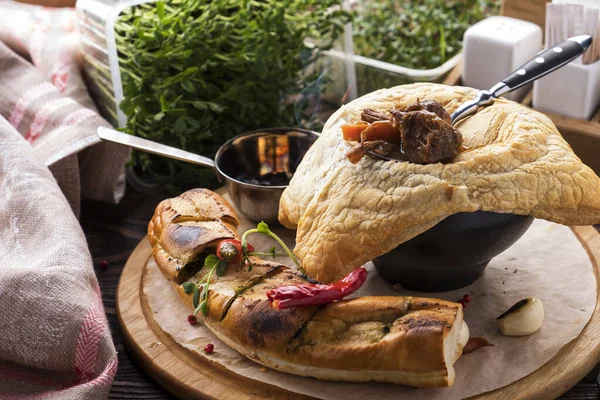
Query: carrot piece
[(352, 131), (381, 130)]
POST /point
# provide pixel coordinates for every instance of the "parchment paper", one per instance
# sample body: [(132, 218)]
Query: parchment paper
[(548, 262)]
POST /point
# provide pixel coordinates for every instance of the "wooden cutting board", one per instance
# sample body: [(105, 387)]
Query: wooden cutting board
[(188, 376)]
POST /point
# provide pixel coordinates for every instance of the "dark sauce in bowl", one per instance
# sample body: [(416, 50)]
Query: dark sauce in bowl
[(269, 179)]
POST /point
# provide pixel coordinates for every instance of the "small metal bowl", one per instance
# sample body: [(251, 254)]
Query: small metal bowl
[(242, 163), (245, 160), (452, 254)]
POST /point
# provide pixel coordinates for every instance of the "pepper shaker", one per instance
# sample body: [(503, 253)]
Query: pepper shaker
[(496, 46)]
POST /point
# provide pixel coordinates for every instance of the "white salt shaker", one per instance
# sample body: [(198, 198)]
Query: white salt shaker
[(495, 47), (573, 90)]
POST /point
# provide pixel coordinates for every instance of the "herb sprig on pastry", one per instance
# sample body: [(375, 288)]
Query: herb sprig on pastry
[(406, 340), (349, 211)]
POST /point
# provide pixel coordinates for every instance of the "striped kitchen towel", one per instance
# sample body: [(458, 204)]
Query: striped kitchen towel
[(44, 97), (55, 342)]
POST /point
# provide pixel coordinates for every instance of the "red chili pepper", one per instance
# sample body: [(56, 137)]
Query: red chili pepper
[(314, 294), (230, 250)]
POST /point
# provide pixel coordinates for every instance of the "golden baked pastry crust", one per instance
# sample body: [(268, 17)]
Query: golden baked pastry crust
[(516, 162), (184, 226), (405, 340)]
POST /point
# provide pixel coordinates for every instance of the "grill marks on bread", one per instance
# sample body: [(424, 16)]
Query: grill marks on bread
[(387, 339), (185, 227)]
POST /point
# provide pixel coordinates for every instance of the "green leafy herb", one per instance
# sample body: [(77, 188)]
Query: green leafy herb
[(221, 267), (200, 290), (262, 228), (204, 307), (419, 34), (188, 287), (197, 72), (271, 253), (196, 298), (211, 261), (214, 265)]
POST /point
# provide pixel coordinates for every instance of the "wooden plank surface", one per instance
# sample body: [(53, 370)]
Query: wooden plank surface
[(528, 10)]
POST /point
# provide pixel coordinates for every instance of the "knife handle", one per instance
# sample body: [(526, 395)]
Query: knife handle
[(548, 60)]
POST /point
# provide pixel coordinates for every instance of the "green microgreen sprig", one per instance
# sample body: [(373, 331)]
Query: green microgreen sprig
[(200, 290), (271, 253), (216, 266), (263, 228), (196, 73), (422, 34)]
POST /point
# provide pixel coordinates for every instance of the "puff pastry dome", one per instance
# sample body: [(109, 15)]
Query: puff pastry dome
[(516, 162)]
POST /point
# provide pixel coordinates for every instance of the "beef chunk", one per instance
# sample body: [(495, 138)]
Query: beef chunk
[(369, 115), (420, 133), (429, 105), (384, 150), (426, 136)]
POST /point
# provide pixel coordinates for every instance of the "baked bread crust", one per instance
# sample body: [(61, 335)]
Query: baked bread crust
[(185, 226), (516, 162), (406, 340)]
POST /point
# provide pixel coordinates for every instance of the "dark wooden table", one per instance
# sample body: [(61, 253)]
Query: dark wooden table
[(112, 232)]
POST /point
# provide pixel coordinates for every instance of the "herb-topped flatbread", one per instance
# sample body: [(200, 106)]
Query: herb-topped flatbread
[(405, 340)]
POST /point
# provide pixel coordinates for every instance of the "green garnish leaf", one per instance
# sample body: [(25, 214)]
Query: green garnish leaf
[(196, 298), (426, 33), (211, 261), (160, 9), (203, 292), (263, 228), (230, 66), (204, 307), (188, 287), (272, 251), (221, 268)]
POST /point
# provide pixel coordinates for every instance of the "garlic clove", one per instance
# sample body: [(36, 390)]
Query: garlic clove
[(523, 318), (464, 334)]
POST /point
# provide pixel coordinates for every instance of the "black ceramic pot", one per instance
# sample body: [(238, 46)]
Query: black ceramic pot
[(453, 253)]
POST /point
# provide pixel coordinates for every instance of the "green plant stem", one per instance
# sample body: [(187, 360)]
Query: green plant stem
[(278, 240), (205, 281), (259, 253)]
